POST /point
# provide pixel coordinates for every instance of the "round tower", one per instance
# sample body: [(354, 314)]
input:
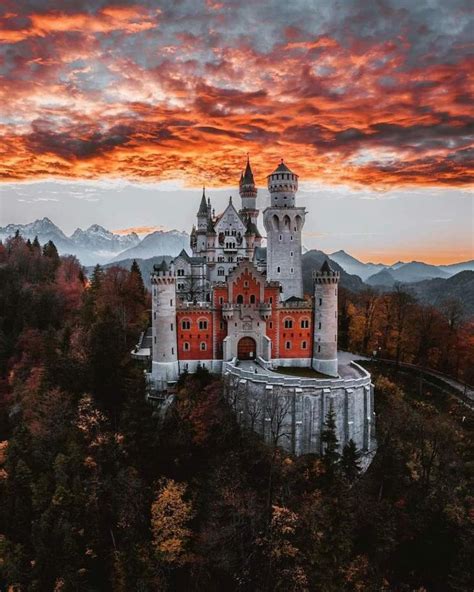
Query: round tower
[(165, 366), (284, 221), (203, 217), (325, 320)]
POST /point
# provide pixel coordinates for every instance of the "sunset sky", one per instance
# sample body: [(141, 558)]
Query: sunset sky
[(118, 112)]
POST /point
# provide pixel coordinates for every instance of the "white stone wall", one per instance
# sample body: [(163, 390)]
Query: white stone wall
[(291, 415)]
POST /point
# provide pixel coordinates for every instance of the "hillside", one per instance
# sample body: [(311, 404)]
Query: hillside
[(437, 291), (146, 266), (382, 278), (355, 267)]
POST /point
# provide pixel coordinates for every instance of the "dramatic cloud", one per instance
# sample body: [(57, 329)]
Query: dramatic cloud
[(374, 93)]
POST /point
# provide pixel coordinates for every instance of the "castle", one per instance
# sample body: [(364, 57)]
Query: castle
[(238, 309)]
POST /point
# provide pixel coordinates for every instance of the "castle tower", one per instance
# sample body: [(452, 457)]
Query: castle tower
[(203, 216), (165, 366), (283, 221), (248, 194), (325, 320)]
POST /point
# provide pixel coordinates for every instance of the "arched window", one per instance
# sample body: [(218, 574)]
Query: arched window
[(286, 221), (240, 299), (186, 324), (288, 345), (202, 324), (220, 271), (304, 345), (304, 323), (252, 298), (186, 346), (203, 346), (288, 323)]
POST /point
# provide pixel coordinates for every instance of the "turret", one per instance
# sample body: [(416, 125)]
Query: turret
[(165, 366), (248, 194), (284, 221), (325, 320)]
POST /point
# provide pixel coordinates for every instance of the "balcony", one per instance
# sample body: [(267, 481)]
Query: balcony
[(265, 309)]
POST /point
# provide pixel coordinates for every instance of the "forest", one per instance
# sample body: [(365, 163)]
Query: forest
[(101, 491)]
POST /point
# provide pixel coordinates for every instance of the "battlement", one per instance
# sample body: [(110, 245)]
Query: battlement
[(326, 277)]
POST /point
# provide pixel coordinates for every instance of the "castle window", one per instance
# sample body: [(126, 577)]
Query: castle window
[(171, 302), (278, 270), (291, 270), (155, 339), (221, 300), (246, 284), (180, 271), (320, 302), (291, 237), (252, 299), (172, 327), (281, 237), (304, 345), (291, 252), (319, 348), (288, 345), (154, 315), (172, 351), (270, 324), (319, 325), (240, 299), (186, 325), (304, 323), (186, 346), (203, 346), (270, 300), (222, 325), (202, 324), (220, 271), (288, 324)]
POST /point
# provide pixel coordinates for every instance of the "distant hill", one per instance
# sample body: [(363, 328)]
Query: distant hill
[(455, 268), (312, 261), (439, 290), (161, 242), (382, 278), (355, 267), (406, 274)]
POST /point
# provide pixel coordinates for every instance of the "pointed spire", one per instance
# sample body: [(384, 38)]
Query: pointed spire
[(248, 175), (230, 199), (203, 205)]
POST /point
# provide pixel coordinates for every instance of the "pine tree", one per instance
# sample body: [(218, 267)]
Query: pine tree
[(50, 250), (36, 245), (350, 460), (330, 442), (137, 274)]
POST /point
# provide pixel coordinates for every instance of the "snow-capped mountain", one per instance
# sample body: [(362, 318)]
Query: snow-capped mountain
[(103, 242), (96, 244)]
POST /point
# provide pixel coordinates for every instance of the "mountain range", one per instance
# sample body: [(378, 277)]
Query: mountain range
[(378, 274), (98, 245)]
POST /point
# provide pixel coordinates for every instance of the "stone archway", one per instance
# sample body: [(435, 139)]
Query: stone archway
[(247, 349)]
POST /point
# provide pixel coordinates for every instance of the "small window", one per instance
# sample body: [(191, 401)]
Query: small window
[(220, 271), (288, 345), (221, 300), (171, 302), (319, 348), (291, 270), (222, 325), (270, 325), (319, 325), (240, 299), (203, 346), (252, 299), (202, 324), (320, 302), (270, 300), (246, 284), (291, 253), (278, 270), (288, 324), (172, 327), (304, 345), (154, 315), (186, 346), (304, 323), (291, 237), (172, 351), (155, 339), (281, 237), (186, 325)]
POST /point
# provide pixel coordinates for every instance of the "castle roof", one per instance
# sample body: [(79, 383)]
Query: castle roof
[(326, 268), (281, 168), (210, 227), (252, 229), (247, 178), (163, 266), (203, 211)]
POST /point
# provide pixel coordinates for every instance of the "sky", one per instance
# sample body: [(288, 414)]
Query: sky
[(117, 112)]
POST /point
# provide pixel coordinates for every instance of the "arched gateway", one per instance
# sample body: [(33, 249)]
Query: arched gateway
[(246, 349)]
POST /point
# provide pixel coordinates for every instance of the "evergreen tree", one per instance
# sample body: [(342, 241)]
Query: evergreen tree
[(350, 464), (330, 442), (36, 245), (137, 276), (50, 250)]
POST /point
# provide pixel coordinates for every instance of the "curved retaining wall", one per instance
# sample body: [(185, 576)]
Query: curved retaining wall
[(290, 411)]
